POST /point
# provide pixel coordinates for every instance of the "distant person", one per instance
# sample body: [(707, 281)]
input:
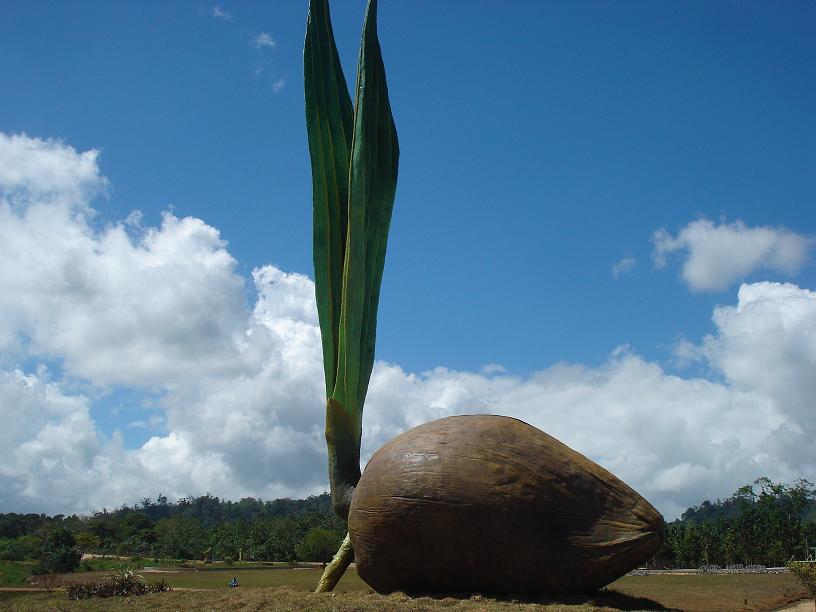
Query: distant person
[(233, 583)]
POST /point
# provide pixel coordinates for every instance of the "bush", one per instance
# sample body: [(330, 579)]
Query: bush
[(806, 572), (118, 584), (319, 545), (23, 548), (58, 561), (14, 573), (59, 554)]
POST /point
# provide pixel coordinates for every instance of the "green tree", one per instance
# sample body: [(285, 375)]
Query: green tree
[(87, 541), (180, 538), (806, 573), (135, 534), (59, 553), (318, 545), (20, 549)]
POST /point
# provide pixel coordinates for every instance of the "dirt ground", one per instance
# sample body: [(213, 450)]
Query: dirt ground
[(804, 605), (207, 591)]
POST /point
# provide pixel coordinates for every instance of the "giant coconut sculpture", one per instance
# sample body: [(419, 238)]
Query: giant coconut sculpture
[(466, 504), (490, 504)]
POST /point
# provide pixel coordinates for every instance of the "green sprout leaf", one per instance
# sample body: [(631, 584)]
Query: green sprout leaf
[(355, 156), (329, 123), (372, 185)]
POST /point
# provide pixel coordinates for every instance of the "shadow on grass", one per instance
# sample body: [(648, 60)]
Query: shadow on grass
[(614, 599), (606, 598)]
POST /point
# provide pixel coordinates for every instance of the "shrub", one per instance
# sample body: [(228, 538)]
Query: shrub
[(20, 549), (806, 572), (13, 573), (59, 554), (118, 584), (58, 561), (318, 545)]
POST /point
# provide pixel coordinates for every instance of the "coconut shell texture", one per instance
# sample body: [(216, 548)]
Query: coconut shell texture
[(489, 504)]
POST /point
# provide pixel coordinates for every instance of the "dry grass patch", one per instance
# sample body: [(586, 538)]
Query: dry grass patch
[(283, 599), (705, 593), (733, 592)]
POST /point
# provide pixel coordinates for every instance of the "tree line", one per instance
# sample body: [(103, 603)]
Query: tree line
[(202, 527), (764, 523)]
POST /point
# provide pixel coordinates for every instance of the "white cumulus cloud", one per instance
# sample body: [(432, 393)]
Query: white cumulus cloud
[(239, 386), (47, 170), (767, 344), (716, 256)]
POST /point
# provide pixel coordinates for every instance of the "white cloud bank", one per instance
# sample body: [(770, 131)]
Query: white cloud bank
[(716, 256), (163, 310)]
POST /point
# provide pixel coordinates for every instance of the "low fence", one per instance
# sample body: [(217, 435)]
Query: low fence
[(736, 568)]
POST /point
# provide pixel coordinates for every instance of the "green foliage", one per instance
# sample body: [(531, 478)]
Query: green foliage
[(13, 525), (136, 525), (246, 529), (105, 564), (117, 584), (354, 155), (762, 527), (88, 542), (25, 547), (276, 539), (797, 499), (180, 538), (806, 572), (59, 553), (319, 545), (14, 573), (227, 541)]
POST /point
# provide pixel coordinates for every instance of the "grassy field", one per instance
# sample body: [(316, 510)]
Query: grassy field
[(297, 579), (714, 592), (14, 573), (288, 589)]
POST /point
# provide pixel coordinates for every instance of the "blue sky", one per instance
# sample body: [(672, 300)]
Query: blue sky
[(542, 143)]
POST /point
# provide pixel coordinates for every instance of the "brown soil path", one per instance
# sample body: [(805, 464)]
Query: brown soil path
[(803, 605)]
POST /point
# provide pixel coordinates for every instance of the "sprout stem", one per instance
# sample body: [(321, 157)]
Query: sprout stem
[(335, 570)]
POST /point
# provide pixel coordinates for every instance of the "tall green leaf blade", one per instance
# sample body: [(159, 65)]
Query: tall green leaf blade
[(372, 186), (375, 147), (329, 123)]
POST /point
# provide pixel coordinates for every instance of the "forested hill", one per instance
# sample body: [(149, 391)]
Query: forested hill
[(798, 498), (760, 524), (190, 528), (208, 510)]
